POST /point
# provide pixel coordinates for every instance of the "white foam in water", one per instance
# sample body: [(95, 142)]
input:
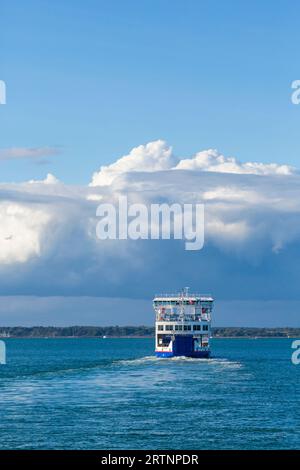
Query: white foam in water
[(224, 363), (141, 360)]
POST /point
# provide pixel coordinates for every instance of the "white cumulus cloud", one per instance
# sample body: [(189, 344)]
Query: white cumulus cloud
[(50, 179), (21, 231), (158, 156), (212, 160), (154, 156)]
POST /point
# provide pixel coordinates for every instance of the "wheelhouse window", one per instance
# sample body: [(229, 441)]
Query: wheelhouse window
[(160, 327)]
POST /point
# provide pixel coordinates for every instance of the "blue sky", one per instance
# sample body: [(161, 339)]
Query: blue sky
[(97, 78), (87, 82)]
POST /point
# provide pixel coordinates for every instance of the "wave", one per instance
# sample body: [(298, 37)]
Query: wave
[(57, 371)]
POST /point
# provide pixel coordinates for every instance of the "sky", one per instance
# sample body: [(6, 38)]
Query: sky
[(96, 78), (190, 94)]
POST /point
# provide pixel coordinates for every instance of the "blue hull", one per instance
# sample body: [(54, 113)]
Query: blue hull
[(183, 345), (195, 354)]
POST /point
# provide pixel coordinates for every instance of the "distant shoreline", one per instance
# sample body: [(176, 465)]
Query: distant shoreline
[(142, 337), (49, 332)]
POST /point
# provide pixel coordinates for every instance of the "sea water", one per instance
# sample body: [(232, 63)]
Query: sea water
[(114, 394)]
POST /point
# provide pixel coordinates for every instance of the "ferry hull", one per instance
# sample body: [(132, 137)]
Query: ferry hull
[(194, 354)]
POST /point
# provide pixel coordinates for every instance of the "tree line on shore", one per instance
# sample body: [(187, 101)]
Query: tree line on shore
[(136, 331)]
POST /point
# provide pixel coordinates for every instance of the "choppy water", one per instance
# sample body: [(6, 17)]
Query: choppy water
[(113, 394)]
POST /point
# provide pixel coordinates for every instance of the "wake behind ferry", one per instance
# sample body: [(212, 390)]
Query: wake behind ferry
[(183, 324)]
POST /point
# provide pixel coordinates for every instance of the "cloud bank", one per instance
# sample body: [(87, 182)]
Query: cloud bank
[(48, 244)]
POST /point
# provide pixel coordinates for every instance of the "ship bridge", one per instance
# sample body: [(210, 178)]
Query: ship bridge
[(169, 307)]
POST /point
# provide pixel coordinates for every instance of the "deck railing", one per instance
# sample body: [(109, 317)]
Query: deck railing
[(178, 317), (181, 296)]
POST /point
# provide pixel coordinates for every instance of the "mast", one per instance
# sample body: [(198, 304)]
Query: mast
[(184, 294)]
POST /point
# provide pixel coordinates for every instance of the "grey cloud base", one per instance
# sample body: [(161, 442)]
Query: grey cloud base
[(104, 311)]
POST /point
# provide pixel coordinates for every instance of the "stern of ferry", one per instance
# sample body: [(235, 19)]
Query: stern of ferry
[(183, 325)]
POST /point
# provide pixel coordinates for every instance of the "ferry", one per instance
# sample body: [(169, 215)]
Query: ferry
[(4, 334), (183, 324)]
